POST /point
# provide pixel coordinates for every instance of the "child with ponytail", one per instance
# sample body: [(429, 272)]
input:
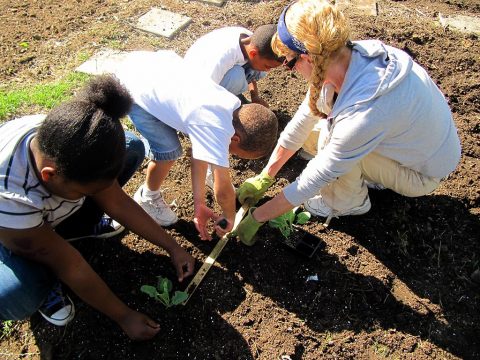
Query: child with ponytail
[(59, 176)]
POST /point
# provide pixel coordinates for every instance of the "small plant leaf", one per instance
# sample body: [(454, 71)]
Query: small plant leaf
[(303, 217), (286, 230), (164, 298), (162, 292), (277, 222), (149, 290), (164, 285), (290, 216), (179, 297), (284, 222)]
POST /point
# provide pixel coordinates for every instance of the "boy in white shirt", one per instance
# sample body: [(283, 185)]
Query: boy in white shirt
[(235, 58), (170, 96)]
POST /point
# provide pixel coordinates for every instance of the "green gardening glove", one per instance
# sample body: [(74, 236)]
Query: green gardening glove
[(253, 188), (247, 228)]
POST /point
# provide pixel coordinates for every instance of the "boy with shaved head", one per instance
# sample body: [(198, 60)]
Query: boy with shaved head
[(172, 97), (235, 58)]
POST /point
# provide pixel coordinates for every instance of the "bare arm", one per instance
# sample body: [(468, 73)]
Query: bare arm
[(45, 246), (279, 157), (271, 209), (225, 196), (224, 192), (116, 203), (254, 96), (202, 213)]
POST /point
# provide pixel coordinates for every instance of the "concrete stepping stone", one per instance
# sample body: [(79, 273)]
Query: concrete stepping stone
[(360, 7), (105, 61), (162, 22), (462, 23)]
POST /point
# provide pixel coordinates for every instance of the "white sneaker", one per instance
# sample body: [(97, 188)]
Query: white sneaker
[(317, 206), (157, 208), (374, 186), (305, 155)]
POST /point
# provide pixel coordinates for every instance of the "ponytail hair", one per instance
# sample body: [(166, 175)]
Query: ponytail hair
[(84, 136), (322, 29)]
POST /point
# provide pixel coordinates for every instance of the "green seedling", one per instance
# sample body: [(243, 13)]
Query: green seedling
[(162, 292), (285, 222)]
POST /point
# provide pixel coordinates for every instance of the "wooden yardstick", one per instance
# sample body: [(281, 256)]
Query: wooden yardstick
[(197, 279)]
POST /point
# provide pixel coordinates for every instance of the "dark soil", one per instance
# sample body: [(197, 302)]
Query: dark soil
[(394, 283)]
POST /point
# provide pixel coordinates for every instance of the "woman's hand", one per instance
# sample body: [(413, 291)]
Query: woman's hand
[(253, 188), (248, 227)]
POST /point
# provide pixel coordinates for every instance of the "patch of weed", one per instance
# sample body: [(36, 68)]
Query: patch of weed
[(381, 349), (7, 328), (43, 96)]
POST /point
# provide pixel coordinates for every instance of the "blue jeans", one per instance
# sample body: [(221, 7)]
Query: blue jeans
[(25, 284), (236, 79), (162, 140)]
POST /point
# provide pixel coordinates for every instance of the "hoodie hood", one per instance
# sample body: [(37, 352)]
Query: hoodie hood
[(374, 70)]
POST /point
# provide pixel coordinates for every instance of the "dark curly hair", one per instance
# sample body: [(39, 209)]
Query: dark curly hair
[(84, 136), (257, 127)]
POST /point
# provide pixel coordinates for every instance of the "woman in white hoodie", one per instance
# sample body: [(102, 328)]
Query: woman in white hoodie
[(383, 120)]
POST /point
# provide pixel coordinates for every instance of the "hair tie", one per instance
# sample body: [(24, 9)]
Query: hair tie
[(290, 41)]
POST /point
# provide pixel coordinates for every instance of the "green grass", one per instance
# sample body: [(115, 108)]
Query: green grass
[(42, 97), (6, 328)]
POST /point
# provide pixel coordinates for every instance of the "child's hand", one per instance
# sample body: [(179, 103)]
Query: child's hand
[(223, 226), (138, 326), (201, 218), (183, 262)]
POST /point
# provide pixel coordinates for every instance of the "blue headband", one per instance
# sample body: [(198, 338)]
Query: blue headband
[(291, 42)]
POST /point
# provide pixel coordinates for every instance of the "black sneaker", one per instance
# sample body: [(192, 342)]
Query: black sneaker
[(106, 228), (58, 309)]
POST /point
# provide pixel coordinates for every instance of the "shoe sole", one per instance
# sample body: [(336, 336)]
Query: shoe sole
[(101, 236), (362, 210), (110, 234), (61, 322)]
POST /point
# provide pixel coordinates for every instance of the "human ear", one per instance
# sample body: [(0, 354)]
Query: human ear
[(252, 53), (235, 139), (47, 173), (306, 57)]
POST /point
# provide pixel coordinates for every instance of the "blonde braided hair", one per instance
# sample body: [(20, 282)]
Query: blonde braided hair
[(322, 29)]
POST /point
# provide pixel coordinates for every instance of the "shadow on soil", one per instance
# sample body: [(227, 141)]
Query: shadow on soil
[(425, 290), (186, 332), (404, 266), (429, 246)]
